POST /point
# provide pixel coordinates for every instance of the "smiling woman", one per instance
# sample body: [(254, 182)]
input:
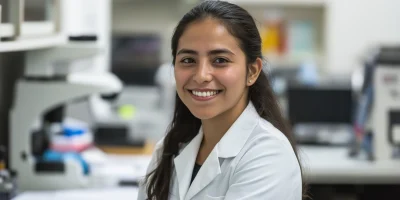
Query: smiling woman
[(228, 139)]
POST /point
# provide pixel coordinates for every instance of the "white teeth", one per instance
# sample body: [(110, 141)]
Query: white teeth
[(204, 94)]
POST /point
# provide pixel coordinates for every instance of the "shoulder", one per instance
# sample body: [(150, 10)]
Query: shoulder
[(266, 135), (268, 146), (266, 168)]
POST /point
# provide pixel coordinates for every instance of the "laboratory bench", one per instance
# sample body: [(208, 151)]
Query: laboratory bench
[(332, 175), (329, 172), (332, 165)]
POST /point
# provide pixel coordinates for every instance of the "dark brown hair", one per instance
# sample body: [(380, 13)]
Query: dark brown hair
[(185, 126)]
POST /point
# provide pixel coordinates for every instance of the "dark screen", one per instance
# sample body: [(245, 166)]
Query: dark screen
[(319, 105), (136, 58)]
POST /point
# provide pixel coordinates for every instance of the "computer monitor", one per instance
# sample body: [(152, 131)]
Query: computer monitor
[(320, 105), (135, 58)]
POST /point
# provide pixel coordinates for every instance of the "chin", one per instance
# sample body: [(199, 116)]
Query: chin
[(203, 114)]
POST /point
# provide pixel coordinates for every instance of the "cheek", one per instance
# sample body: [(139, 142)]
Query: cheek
[(233, 78), (181, 77)]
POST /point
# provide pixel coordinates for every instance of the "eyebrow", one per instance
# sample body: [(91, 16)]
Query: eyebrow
[(212, 52)]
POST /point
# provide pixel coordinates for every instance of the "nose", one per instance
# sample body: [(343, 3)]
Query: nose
[(203, 73)]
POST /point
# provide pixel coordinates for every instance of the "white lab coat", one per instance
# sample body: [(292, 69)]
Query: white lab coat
[(252, 161)]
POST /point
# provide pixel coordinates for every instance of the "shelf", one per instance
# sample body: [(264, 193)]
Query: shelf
[(249, 2), (34, 35), (309, 3), (28, 29), (293, 60), (33, 43)]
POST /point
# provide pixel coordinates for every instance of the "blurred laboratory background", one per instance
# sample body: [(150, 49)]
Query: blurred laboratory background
[(87, 89)]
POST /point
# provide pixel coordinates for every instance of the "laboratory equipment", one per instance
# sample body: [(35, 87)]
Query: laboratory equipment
[(84, 23), (377, 120), (135, 58), (7, 179), (321, 114), (7, 185), (149, 88), (362, 85), (385, 119), (281, 77), (47, 86), (165, 81)]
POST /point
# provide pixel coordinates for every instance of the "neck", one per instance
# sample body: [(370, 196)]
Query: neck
[(214, 129)]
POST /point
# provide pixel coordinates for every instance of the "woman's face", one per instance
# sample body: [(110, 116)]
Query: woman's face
[(210, 70)]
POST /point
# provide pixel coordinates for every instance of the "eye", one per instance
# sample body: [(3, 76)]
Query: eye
[(187, 60), (221, 60)]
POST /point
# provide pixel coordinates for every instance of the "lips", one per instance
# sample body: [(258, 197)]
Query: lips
[(204, 94), (207, 93)]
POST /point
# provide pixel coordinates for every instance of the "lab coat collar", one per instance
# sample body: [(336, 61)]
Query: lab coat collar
[(236, 136), (184, 163)]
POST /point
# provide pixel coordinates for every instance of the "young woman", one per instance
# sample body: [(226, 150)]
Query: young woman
[(227, 139)]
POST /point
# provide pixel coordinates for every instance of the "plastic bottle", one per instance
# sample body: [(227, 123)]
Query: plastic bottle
[(273, 33)]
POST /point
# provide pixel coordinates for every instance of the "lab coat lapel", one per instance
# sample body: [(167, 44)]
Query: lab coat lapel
[(184, 164), (229, 146), (209, 170)]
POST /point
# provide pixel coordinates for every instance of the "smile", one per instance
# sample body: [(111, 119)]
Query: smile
[(204, 95)]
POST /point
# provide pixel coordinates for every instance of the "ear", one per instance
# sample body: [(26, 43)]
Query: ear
[(254, 71)]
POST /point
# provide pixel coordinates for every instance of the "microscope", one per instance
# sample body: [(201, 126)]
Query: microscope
[(38, 109), (377, 117)]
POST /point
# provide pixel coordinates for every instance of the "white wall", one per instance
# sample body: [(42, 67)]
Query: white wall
[(355, 25)]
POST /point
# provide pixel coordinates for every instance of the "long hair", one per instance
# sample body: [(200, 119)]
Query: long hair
[(185, 126)]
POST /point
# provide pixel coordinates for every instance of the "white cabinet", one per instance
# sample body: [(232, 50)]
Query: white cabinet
[(20, 35), (34, 35), (60, 23)]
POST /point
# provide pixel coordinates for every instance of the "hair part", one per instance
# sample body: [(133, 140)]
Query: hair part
[(185, 126)]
